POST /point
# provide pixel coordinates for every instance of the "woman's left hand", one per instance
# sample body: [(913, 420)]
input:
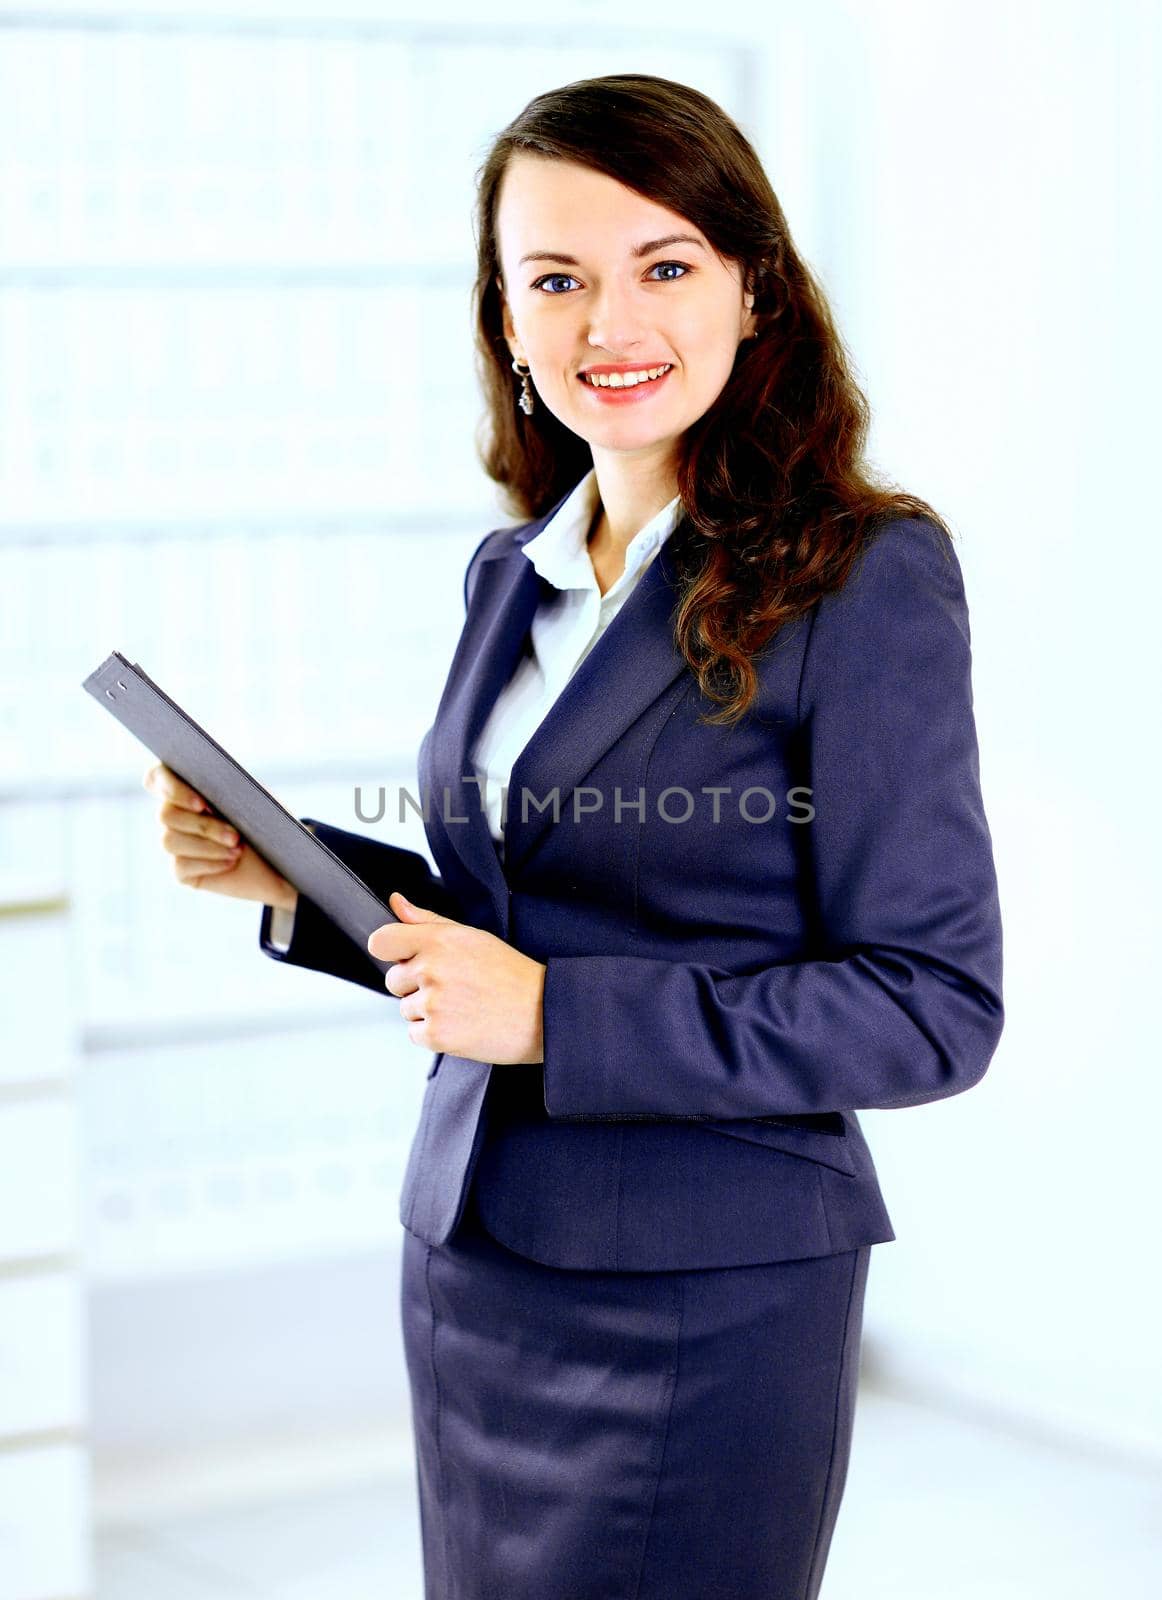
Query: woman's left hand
[(462, 990)]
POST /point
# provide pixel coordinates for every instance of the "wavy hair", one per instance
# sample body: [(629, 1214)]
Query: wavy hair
[(777, 498)]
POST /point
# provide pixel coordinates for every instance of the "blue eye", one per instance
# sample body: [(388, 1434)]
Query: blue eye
[(557, 277), (552, 277)]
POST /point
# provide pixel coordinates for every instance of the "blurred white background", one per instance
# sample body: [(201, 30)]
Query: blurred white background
[(235, 368)]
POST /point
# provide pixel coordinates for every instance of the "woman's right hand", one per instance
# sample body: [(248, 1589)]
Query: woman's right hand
[(207, 852)]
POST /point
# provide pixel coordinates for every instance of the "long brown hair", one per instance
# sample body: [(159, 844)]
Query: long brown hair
[(777, 499)]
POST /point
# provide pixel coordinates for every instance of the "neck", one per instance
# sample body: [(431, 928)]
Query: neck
[(630, 494)]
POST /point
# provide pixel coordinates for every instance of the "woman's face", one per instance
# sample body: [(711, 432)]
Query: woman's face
[(587, 299)]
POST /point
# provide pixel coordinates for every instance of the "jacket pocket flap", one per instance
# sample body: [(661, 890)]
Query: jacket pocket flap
[(793, 1138)]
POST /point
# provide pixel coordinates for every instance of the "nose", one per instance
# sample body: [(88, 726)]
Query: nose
[(613, 324)]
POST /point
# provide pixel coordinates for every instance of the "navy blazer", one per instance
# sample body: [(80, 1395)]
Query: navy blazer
[(724, 988)]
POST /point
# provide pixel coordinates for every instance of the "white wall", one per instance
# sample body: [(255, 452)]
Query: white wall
[(984, 210)]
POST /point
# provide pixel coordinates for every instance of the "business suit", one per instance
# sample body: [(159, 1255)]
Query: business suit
[(721, 995)]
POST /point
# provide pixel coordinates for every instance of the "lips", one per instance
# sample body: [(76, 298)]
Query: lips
[(624, 395), (609, 369)]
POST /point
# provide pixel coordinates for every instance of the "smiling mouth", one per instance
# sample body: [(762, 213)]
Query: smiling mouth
[(624, 380)]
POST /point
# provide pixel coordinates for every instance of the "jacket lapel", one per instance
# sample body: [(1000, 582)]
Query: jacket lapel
[(629, 667)]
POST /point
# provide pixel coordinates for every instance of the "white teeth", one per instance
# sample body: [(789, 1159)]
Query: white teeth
[(624, 380)]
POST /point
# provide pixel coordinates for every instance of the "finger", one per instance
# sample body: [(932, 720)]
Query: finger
[(179, 820), (197, 847), (191, 872), (387, 942), (400, 980), (183, 820), (407, 912), (165, 782)]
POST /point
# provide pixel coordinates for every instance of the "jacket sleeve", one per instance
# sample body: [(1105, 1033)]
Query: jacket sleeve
[(900, 1003), (317, 942), (308, 938)]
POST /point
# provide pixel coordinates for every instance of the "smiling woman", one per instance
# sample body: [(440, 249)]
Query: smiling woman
[(609, 244), (639, 1206), (633, 347)]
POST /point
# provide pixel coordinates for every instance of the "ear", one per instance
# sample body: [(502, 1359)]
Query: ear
[(749, 320), (509, 327)]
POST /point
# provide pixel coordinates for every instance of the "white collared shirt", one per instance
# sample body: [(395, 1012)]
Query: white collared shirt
[(565, 628)]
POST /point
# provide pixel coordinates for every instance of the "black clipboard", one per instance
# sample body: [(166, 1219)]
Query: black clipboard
[(139, 704)]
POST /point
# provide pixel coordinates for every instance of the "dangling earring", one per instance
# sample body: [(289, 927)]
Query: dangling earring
[(526, 396)]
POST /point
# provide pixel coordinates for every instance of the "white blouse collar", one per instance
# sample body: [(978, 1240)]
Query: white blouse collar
[(560, 552)]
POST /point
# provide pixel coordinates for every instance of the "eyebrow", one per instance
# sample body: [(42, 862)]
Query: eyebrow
[(638, 250)]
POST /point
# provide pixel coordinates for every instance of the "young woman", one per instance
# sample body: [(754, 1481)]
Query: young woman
[(714, 873)]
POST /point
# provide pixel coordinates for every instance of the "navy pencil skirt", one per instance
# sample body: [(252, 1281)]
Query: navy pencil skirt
[(675, 1435)]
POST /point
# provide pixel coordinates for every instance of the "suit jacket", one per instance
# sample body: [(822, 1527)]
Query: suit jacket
[(724, 988)]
